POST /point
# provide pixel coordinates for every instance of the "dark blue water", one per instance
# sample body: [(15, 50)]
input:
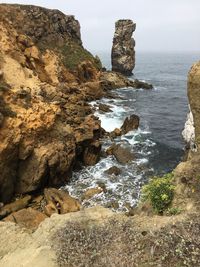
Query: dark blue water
[(163, 110), (157, 144)]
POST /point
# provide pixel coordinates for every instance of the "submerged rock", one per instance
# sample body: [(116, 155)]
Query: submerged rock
[(113, 170), (104, 108), (123, 53)]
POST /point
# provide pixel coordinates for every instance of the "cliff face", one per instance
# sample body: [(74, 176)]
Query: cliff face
[(194, 98), (187, 172), (123, 53), (45, 122)]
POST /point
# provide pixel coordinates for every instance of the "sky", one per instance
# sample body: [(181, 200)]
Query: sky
[(162, 25)]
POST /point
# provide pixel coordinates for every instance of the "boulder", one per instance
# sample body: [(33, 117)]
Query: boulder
[(28, 218), (104, 108), (60, 202), (130, 123), (91, 193), (113, 170), (123, 53), (115, 133), (14, 206), (141, 85), (122, 154)]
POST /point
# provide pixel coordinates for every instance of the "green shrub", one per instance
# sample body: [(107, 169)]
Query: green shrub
[(173, 211), (73, 54), (159, 192)]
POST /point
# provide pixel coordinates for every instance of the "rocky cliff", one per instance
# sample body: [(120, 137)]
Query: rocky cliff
[(46, 78), (123, 53), (187, 173)]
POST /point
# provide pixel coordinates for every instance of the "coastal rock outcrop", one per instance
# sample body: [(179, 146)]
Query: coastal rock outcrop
[(46, 79), (194, 98), (123, 53)]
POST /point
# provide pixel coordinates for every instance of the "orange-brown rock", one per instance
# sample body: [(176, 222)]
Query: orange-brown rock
[(28, 218), (91, 193), (46, 122), (15, 206), (122, 154), (60, 202)]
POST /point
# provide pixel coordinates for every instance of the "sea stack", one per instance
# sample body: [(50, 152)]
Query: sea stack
[(123, 52)]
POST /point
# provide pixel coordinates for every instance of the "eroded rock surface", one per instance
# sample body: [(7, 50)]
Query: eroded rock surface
[(46, 122), (123, 53)]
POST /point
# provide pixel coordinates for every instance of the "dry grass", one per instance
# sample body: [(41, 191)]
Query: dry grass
[(119, 244)]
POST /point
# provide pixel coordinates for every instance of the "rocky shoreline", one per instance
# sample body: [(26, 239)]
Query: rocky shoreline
[(48, 129), (47, 125)]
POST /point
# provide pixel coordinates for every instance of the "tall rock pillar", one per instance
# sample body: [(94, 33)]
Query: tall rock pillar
[(123, 53)]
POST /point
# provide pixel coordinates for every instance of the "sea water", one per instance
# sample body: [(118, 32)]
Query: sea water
[(157, 144)]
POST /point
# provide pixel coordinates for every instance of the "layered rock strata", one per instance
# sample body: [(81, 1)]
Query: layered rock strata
[(123, 53)]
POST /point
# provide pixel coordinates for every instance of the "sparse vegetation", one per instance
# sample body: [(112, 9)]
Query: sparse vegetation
[(173, 211), (118, 243), (73, 54), (159, 191)]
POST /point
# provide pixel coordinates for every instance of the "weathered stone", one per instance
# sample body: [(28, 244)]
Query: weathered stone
[(113, 80), (122, 154), (46, 122), (59, 201), (194, 98), (28, 218), (15, 206), (123, 53), (115, 133), (91, 193), (130, 123), (113, 170), (141, 85), (91, 154), (104, 108)]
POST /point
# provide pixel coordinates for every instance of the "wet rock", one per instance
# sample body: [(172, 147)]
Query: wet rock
[(142, 85), (123, 53), (113, 170), (104, 108), (91, 193), (113, 205), (122, 154), (60, 202), (113, 80), (28, 218), (92, 153), (15, 206), (102, 185), (116, 133), (130, 123)]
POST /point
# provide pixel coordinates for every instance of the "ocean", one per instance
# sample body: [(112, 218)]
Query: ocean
[(158, 145)]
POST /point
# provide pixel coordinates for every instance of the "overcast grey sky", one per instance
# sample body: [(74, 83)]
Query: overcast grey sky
[(162, 25)]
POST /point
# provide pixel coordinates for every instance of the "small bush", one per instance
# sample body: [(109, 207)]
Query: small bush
[(173, 211), (159, 192)]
